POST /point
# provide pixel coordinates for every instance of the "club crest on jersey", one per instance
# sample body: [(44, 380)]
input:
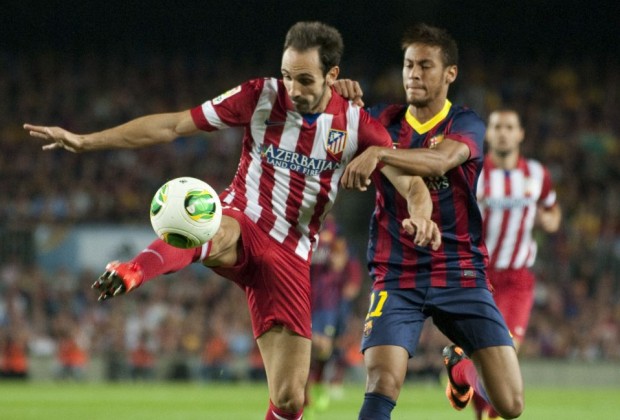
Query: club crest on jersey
[(218, 100), (335, 143), (434, 141)]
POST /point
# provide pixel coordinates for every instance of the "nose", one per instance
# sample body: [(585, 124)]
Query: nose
[(294, 89), (413, 72)]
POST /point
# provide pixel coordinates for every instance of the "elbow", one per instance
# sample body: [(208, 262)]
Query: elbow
[(436, 170)]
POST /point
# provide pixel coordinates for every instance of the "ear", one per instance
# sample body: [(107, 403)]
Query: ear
[(332, 75), (451, 73), (522, 135)]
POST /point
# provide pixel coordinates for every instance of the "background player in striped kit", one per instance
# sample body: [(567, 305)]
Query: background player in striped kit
[(298, 138), (514, 195), (443, 143)]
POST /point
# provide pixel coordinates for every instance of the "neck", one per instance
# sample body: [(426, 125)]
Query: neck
[(505, 160), (428, 111), (323, 101)]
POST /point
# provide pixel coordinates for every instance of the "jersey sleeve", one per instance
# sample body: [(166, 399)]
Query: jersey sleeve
[(548, 196), (371, 133), (469, 129), (232, 108)]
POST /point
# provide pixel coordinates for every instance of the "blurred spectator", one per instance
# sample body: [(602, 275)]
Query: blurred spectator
[(72, 357), (13, 356), (216, 353), (142, 360)]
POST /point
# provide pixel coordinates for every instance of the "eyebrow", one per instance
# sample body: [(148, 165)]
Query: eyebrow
[(309, 75), (423, 61)]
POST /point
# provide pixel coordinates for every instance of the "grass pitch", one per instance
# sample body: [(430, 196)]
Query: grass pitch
[(68, 401)]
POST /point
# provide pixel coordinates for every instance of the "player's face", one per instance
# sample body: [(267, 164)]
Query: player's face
[(425, 78), (504, 133), (303, 78)]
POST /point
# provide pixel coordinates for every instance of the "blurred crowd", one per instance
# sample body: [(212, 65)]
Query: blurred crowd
[(572, 124)]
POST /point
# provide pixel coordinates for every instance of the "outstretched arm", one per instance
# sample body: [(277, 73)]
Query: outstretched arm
[(419, 205), (422, 162), (143, 131)]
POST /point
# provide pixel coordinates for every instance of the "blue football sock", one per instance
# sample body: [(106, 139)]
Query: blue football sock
[(376, 407)]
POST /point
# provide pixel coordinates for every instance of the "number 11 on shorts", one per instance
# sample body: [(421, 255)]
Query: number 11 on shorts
[(377, 311)]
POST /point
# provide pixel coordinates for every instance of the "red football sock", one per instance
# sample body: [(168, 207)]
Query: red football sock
[(493, 414), (480, 406), (464, 373), (161, 258), (274, 413)]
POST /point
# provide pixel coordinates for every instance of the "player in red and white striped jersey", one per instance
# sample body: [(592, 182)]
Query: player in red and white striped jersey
[(299, 136), (515, 194)]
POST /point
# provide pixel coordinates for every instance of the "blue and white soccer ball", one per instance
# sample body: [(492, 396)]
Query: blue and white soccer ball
[(186, 212)]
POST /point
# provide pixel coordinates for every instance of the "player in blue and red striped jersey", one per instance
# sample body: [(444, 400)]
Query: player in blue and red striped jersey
[(443, 143), (298, 137)]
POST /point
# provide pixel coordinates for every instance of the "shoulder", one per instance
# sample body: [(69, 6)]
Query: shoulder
[(466, 116), (262, 85), (465, 122), (535, 168), (533, 163), (386, 114)]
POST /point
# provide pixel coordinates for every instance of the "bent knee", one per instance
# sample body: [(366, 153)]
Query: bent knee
[(512, 409), (384, 383), (289, 400), (223, 251)]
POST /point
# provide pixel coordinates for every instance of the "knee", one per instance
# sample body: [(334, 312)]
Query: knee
[(290, 399), (384, 383), (321, 346), (513, 408), (224, 244)]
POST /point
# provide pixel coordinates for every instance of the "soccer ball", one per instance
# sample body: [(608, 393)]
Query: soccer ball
[(186, 212)]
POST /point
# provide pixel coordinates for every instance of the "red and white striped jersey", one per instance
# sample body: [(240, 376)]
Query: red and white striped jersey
[(290, 166), (508, 200)]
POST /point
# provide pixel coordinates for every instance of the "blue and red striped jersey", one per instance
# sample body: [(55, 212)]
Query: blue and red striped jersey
[(394, 261)]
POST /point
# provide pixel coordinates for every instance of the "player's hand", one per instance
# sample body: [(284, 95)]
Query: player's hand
[(349, 89), (357, 173), (425, 231), (56, 137), (548, 219), (119, 278)]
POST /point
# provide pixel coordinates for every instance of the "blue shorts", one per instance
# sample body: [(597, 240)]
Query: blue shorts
[(467, 316), (325, 322)]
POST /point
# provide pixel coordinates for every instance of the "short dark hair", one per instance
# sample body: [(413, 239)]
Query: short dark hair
[(430, 35), (306, 35), (507, 110)]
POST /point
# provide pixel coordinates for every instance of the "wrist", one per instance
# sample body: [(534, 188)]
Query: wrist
[(380, 153)]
